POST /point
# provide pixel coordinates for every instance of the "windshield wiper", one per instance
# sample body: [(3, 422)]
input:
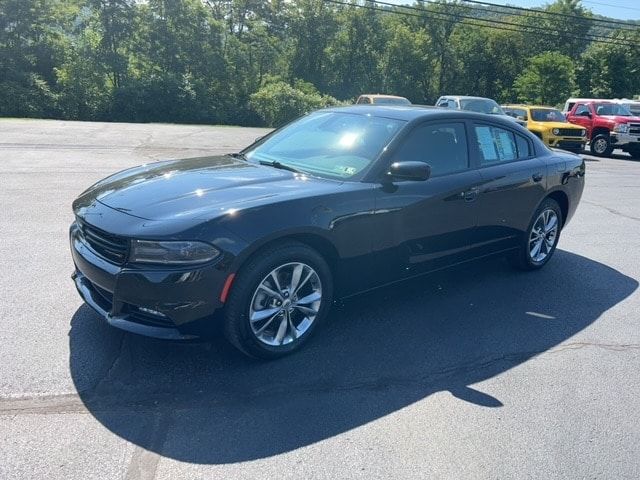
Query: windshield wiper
[(281, 166)]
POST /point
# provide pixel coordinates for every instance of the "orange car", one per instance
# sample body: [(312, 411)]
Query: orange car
[(377, 99)]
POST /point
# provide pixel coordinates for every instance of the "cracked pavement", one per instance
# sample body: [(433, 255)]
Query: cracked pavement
[(475, 372)]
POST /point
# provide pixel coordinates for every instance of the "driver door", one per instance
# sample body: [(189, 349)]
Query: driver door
[(423, 225)]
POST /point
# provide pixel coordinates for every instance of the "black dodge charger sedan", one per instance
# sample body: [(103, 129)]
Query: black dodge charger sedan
[(338, 202)]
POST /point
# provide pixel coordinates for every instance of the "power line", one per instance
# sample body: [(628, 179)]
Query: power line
[(488, 23), (585, 36), (555, 14), (610, 5)]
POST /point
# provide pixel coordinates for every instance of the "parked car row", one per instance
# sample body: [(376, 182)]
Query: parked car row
[(602, 124), (551, 126)]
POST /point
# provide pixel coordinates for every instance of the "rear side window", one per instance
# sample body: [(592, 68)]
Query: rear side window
[(441, 145), (524, 147), (499, 145)]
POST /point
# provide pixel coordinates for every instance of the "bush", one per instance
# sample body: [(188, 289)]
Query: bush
[(277, 103)]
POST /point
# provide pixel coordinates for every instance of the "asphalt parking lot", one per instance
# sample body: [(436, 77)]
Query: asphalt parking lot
[(476, 372)]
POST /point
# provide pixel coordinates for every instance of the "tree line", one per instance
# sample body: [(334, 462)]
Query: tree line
[(262, 62)]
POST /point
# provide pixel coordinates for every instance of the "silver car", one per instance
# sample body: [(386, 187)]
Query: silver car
[(475, 104)]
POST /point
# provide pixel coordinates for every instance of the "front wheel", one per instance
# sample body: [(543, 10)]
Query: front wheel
[(277, 300), (541, 239), (601, 145)]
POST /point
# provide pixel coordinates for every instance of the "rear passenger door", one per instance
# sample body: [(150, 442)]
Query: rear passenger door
[(513, 182)]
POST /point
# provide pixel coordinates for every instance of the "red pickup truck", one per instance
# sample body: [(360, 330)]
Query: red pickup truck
[(609, 125)]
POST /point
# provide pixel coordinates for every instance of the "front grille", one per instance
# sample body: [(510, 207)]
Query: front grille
[(109, 246), (634, 128), (570, 132)]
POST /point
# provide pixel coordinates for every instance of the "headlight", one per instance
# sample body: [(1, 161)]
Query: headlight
[(621, 128), (556, 131), (583, 132), (171, 253)]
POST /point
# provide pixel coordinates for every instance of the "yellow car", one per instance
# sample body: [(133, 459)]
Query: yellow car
[(551, 126)]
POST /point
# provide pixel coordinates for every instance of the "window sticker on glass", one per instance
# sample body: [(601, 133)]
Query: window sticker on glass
[(347, 170), (506, 148), (485, 141)]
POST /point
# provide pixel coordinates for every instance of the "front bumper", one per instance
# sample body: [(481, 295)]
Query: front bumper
[(566, 143), (169, 304), (624, 139)]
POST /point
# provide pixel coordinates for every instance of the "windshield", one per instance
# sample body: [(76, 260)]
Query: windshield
[(329, 144), (612, 109), (391, 101), (481, 105), (547, 115)]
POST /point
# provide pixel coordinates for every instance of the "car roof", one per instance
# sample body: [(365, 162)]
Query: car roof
[(520, 105), (466, 97), (414, 112), (379, 95)]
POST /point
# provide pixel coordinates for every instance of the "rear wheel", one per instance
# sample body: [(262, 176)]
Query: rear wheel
[(277, 300), (541, 239), (601, 145)]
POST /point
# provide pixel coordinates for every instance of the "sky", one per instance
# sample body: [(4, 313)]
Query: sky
[(620, 9)]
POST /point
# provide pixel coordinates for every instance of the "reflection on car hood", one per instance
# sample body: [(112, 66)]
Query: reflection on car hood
[(620, 118), (556, 124), (204, 186)]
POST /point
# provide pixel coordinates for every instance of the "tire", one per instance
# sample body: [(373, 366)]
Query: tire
[(283, 326), (526, 257), (601, 145)]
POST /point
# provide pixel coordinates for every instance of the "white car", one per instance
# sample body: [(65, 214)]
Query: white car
[(475, 104)]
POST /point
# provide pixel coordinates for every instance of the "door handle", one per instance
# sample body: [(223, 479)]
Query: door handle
[(471, 194), (536, 177)]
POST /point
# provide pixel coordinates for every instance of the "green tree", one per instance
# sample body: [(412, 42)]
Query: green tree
[(354, 53), (548, 80), (611, 71), (278, 102), (407, 63)]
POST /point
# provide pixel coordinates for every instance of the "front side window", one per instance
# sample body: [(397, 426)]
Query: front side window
[(443, 146), (581, 110), (330, 144), (498, 145)]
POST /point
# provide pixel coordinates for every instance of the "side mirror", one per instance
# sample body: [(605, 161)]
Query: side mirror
[(522, 117), (417, 171)]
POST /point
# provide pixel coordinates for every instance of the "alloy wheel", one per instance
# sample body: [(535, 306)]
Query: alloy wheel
[(543, 235), (600, 146), (285, 304)]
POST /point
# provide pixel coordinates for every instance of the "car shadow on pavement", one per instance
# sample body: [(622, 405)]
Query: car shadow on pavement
[(376, 354)]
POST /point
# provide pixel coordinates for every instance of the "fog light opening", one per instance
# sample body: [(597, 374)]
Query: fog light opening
[(150, 311)]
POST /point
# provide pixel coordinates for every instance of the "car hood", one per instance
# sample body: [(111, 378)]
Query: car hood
[(550, 125), (198, 187), (620, 119)]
